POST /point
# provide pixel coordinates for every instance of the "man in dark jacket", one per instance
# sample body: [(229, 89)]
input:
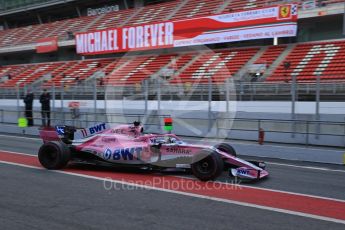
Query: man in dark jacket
[(28, 100), (45, 107)]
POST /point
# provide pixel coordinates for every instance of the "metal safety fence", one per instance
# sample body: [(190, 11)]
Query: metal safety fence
[(217, 126), (239, 90)]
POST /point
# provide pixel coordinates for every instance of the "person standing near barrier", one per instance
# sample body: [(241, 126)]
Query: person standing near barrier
[(45, 108), (28, 100)]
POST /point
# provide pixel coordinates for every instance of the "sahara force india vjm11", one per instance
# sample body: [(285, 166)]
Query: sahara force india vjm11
[(127, 145)]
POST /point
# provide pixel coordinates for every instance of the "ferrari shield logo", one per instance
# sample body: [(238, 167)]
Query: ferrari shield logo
[(284, 12)]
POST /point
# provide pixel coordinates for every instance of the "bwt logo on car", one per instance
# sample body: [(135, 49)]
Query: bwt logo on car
[(243, 171), (123, 154), (97, 128)]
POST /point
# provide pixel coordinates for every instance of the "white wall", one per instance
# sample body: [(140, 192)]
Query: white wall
[(243, 106)]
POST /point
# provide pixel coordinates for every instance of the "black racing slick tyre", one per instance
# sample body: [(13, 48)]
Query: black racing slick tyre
[(207, 165), (54, 155), (226, 148)]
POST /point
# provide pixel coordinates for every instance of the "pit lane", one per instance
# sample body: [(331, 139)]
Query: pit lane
[(55, 198)]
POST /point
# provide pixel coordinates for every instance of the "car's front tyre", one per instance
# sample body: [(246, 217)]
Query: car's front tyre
[(207, 165), (54, 155), (224, 147)]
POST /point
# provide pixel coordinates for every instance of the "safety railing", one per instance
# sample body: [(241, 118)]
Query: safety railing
[(239, 90), (217, 126), (293, 131), (83, 119)]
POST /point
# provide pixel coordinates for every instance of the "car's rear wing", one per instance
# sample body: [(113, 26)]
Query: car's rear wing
[(67, 133)]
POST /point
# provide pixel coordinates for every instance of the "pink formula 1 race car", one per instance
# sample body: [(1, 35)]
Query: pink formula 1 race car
[(127, 145)]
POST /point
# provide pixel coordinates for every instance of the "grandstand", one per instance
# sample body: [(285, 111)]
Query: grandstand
[(307, 58)]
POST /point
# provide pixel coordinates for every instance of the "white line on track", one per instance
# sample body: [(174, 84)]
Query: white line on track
[(306, 167), (295, 193), (18, 153), (276, 190), (194, 195), (20, 137)]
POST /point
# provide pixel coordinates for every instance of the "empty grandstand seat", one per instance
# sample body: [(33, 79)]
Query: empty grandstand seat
[(74, 72), (270, 55), (135, 70), (111, 19), (29, 74), (153, 13), (187, 67), (308, 60), (237, 5), (12, 36), (197, 8), (218, 65)]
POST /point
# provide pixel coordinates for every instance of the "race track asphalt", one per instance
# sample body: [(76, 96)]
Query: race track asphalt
[(41, 199)]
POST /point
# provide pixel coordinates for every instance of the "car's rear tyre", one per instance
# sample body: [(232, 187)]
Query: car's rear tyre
[(207, 165), (224, 147), (54, 155)]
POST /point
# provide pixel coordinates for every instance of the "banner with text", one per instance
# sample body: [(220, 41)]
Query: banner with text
[(268, 22), (46, 45)]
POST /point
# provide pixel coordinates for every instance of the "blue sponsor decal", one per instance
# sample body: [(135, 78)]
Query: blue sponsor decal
[(97, 128), (123, 154), (107, 154), (127, 154), (60, 130), (243, 171)]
